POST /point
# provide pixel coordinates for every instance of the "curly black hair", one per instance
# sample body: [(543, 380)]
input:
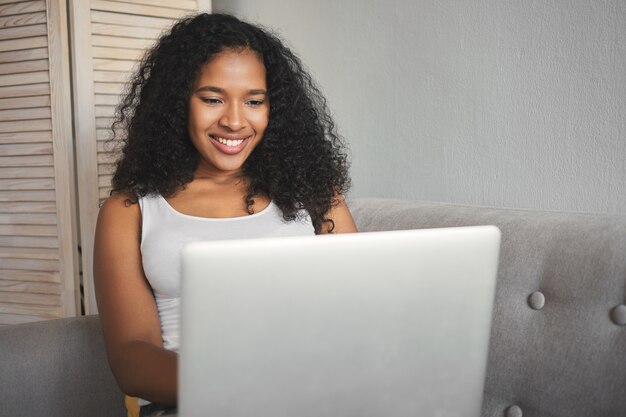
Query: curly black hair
[(300, 163)]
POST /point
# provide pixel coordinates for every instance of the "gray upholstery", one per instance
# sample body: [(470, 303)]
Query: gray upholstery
[(567, 358), (57, 368), (558, 343)]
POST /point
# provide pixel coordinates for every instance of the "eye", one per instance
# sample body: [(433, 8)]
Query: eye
[(211, 100), (255, 102)]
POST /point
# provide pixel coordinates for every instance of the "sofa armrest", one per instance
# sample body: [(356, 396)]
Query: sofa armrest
[(57, 368)]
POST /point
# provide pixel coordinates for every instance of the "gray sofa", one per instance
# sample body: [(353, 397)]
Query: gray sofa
[(558, 343)]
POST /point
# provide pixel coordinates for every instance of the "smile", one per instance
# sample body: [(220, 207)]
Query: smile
[(229, 142), (229, 146)]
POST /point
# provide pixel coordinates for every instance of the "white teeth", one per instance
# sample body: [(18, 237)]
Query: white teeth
[(228, 142)]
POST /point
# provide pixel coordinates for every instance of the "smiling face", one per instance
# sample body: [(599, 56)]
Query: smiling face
[(228, 111)]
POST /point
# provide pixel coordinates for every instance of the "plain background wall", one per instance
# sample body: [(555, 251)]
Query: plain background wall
[(491, 102)]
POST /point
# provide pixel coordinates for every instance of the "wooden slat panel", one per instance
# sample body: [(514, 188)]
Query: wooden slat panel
[(106, 146), (103, 134), (102, 111), (21, 8), (25, 137), (22, 19), (17, 308), (16, 196), (21, 173), (24, 114), (27, 230), (26, 78), (189, 5), (24, 66), (137, 9), (25, 149), (29, 287), (104, 193), (43, 213), (28, 219), (27, 253), (24, 55), (125, 32), (106, 169), (104, 180), (24, 90), (27, 184), (26, 125), (30, 172), (111, 77), (12, 1), (24, 43), (119, 42), (117, 53), (113, 65), (10, 319), (106, 99), (110, 145), (29, 242), (27, 207), (26, 161), (40, 299), (107, 158), (104, 122), (24, 102), (130, 20), (23, 31)]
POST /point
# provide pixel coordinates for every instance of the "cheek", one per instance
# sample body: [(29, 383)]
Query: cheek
[(260, 121), (200, 118)]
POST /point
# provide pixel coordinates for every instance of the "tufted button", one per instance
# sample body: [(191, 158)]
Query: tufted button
[(536, 301), (513, 411), (618, 315)]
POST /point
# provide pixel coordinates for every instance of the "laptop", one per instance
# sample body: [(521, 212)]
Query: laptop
[(368, 324)]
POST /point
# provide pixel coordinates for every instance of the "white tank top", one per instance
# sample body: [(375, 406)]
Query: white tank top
[(165, 231)]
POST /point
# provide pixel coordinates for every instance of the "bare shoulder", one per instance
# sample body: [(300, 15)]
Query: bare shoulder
[(119, 207), (341, 217), (117, 239)]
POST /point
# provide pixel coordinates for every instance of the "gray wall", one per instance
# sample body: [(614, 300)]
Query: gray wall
[(492, 102)]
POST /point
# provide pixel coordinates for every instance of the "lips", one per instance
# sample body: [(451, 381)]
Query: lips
[(230, 145)]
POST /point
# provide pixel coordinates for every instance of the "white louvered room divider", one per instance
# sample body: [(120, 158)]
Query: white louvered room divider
[(50, 175), (38, 243)]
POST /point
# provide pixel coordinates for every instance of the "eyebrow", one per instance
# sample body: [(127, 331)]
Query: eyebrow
[(254, 91)]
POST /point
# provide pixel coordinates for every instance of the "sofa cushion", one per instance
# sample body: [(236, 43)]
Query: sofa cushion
[(557, 348)]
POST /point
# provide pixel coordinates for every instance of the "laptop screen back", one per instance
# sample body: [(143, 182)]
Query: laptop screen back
[(368, 324)]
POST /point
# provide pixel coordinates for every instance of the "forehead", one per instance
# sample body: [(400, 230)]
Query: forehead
[(235, 67)]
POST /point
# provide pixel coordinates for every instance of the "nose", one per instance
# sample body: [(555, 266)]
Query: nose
[(232, 117)]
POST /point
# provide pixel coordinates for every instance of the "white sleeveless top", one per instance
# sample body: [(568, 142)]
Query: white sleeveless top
[(165, 231)]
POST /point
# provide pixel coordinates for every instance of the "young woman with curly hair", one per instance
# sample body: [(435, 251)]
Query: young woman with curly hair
[(224, 135)]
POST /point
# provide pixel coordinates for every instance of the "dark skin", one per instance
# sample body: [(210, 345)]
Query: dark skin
[(233, 107)]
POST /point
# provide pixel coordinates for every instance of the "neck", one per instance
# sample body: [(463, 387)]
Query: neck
[(229, 178)]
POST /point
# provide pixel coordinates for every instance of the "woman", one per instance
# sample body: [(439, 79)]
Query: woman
[(225, 136)]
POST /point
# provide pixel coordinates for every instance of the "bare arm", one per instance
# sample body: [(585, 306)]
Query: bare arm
[(132, 333), (341, 216)]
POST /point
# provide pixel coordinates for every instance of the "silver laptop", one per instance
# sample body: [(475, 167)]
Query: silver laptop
[(368, 324)]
